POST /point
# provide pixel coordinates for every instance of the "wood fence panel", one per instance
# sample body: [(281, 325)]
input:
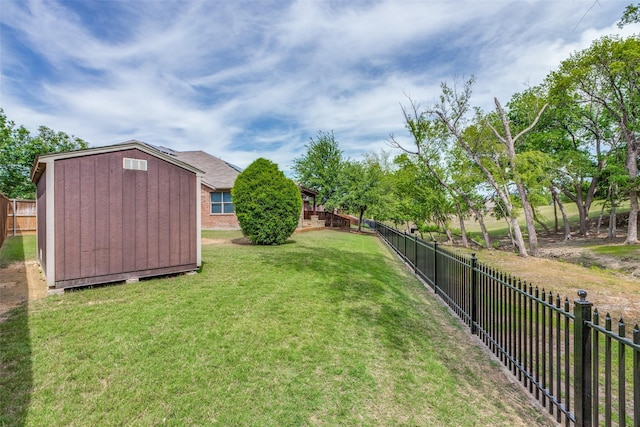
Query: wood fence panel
[(19, 217)]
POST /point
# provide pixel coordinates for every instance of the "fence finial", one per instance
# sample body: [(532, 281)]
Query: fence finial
[(582, 294)]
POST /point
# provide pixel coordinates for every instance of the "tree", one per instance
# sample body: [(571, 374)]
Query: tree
[(387, 206), (320, 167), (422, 199), (433, 147), (579, 136), (607, 75), (18, 150), (631, 15), (509, 140), (267, 203), (359, 188), (452, 111)]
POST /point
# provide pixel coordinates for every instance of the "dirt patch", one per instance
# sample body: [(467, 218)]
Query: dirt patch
[(19, 283), (206, 241), (580, 251), (612, 283), (242, 241)]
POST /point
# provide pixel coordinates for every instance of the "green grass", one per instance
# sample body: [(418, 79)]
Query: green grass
[(18, 248), (619, 251), (221, 234), (328, 329)]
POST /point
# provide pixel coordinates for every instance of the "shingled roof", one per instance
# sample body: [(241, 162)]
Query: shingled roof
[(218, 173)]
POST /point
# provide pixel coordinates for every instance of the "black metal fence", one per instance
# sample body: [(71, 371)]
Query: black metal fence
[(583, 372)]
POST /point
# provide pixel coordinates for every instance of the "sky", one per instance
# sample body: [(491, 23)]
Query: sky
[(248, 79)]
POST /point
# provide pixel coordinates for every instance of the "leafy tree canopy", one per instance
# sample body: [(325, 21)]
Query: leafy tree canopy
[(18, 150), (360, 187), (320, 167), (631, 15)]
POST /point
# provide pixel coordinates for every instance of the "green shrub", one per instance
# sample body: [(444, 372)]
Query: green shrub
[(267, 203)]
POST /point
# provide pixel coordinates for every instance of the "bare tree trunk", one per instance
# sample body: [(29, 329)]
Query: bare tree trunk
[(518, 235), (509, 141), (529, 219), (612, 221), (584, 220), (583, 202), (555, 214), (513, 241), (542, 224), (360, 220), (633, 150), (463, 231), (447, 232), (483, 227), (600, 217), (565, 219)]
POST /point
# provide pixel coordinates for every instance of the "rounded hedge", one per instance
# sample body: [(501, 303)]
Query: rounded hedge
[(267, 203)]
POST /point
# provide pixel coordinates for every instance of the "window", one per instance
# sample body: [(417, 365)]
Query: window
[(221, 202)]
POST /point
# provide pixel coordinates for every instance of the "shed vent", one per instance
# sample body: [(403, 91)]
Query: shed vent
[(134, 164)]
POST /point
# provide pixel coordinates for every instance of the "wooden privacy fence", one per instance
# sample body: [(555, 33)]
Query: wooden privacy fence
[(20, 217), (4, 211), (584, 372)]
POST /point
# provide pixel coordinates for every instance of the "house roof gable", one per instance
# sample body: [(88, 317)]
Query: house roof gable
[(219, 174)]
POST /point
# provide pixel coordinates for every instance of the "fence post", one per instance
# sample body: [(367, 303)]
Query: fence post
[(415, 252), (474, 294), (582, 360), (435, 266), (404, 241), (14, 217), (636, 374)]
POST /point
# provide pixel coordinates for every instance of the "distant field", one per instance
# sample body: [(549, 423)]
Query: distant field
[(498, 228)]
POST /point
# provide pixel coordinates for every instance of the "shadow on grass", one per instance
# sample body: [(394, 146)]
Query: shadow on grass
[(363, 286), (16, 378), (247, 241)]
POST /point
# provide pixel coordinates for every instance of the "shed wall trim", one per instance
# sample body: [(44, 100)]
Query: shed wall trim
[(50, 262), (198, 222), (119, 277)]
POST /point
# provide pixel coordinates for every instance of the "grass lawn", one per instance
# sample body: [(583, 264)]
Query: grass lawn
[(18, 248), (626, 251), (328, 329)]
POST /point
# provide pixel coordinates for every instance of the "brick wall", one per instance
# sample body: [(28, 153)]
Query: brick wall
[(215, 221)]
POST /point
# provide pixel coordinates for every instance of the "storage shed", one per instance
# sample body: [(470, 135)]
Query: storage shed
[(115, 213)]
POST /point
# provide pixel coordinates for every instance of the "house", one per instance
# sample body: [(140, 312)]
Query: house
[(216, 201), (218, 212), (115, 213)]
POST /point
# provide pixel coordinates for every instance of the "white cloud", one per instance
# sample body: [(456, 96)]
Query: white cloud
[(249, 79)]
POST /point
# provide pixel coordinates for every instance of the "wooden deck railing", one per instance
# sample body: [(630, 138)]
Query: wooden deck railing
[(330, 219)]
